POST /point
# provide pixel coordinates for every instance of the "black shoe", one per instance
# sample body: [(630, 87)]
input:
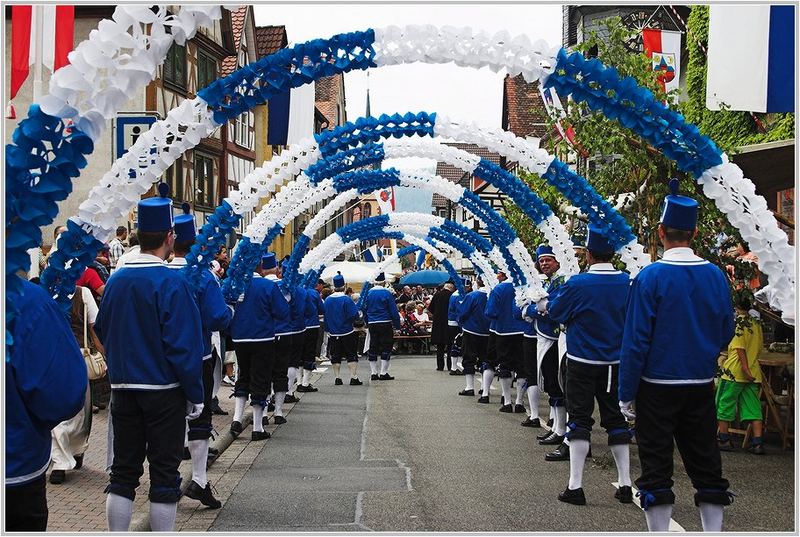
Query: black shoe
[(58, 476), (457, 373), (550, 423), (502, 400), (373, 377), (279, 420), (78, 461), (561, 453), (531, 422), (203, 495), (507, 409), (216, 409), (270, 407), (439, 369), (755, 449), (213, 451), (259, 435), (305, 389), (186, 455), (543, 435), (551, 440), (484, 399), (386, 376), (355, 382), (265, 421), (290, 398), (212, 456), (236, 428), (624, 494), (338, 382), (519, 409), (575, 497), (480, 392), (468, 393)]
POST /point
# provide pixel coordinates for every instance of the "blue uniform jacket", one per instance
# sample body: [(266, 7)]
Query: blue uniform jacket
[(380, 307), (150, 327), (45, 383), (679, 317), (340, 314), (254, 319), (472, 313), (502, 311), (283, 323), (300, 309), (314, 308), (453, 307), (592, 308), (215, 315), (544, 324)]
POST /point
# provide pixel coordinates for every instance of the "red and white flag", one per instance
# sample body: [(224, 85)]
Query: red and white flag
[(664, 48), (55, 42), (385, 199)]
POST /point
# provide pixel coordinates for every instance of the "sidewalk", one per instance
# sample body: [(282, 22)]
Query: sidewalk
[(79, 503)]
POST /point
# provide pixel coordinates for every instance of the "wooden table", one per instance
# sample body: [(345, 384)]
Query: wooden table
[(772, 366)]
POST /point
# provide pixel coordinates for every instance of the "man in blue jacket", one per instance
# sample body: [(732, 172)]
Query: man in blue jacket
[(679, 318), (215, 315), (315, 311), (453, 330), (301, 309), (383, 318), (592, 308), (340, 314), (547, 331), (501, 309), (475, 327), (253, 332), (150, 327), (46, 383)]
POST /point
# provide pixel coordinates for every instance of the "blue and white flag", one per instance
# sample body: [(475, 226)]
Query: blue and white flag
[(751, 61)]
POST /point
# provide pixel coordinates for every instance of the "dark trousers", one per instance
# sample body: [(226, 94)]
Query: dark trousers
[(200, 428), (509, 354), (381, 340), (148, 424), (585, 383), (280, 365), (452, 332), (550, 376), (529, 367), (255, 361), (474, 351), (343, 347), (296, 354), (489, 360), (682, 415), (310, 339), (26, 506)]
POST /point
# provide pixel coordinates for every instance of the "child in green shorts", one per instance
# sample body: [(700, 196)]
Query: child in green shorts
[(741, 381)]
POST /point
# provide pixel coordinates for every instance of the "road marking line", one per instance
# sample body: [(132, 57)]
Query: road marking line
[(673, 526)]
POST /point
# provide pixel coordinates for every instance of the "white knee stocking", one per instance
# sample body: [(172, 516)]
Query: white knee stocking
[(578, 449), (470, 378), (520, 391), (199, 451), (258, 415), (373, 367), (292, 373), (505, 387), (560, 421), (306, 377), (119, 511), (622, 458), (658, 517), (238, 411), (533, 401), (711, 516), (279, 398), (384, 367), (488, 377), (162, 516)]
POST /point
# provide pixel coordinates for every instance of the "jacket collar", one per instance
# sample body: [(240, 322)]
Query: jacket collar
[(178, 261), (681, 256), (145, 260), (603, 268)]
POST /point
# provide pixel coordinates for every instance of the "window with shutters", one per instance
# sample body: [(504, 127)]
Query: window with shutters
[(204, 183), (206, 70), (174, 70)]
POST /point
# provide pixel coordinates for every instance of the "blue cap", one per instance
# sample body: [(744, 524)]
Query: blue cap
[(578, 241), (680, 212), (268, 261), (597, 242), (338, 280), (155, 214), (544, 251), (185, 228), (380, 277)]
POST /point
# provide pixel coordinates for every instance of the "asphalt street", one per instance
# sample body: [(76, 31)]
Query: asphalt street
[(411, 455)]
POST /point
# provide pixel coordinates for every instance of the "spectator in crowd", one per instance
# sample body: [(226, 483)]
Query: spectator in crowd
[(101, 263), (71, 437), (45, 385), (91, 279), (741, 380), (422, 319), (749, 274), (116, 246), (222, 258), (133, 251), (419, 294), (405, 296)]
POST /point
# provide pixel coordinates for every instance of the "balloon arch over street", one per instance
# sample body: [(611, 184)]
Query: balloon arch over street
[(45, 155)]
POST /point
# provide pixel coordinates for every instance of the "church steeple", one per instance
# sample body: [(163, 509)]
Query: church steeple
[(367, 112)]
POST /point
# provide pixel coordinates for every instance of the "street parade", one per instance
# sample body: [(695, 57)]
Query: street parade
[(463, 268)]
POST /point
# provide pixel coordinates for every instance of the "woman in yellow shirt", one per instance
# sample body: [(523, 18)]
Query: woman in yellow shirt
[(741, 379)]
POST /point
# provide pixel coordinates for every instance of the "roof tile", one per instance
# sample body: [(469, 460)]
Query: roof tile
[(270, 39)]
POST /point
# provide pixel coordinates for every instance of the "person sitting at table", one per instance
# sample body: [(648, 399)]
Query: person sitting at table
[(740, 381), (422, 319)]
